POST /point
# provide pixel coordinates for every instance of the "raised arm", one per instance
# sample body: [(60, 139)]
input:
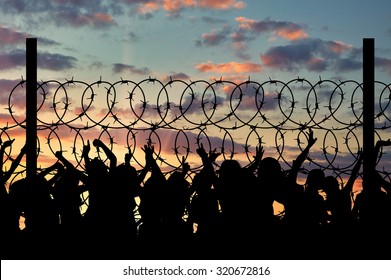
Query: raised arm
[(56, 166), (63, 160), (298, 162), (379, 144), (150, 162), (142, 173), (5, 145), (70, 166), (257, 159), (353, 176), (207, 161), (85, 155), (15, 162), (110, 155), (185, 167)]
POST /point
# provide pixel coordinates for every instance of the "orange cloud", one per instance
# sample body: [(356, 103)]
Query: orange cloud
[(221, 4), (290, 34), (177, 5), (173, 7), (103, 18), (245, 23), (229, 67), (340, 47), (147, 7)]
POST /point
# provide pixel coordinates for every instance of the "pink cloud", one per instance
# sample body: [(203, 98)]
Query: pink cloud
[(287, 30), (316, 64), (175, 76), (213, 38), (229, 67), (312, 54), (384, 64), (340, 47), (77, 19), (103, 18), (9, 36)]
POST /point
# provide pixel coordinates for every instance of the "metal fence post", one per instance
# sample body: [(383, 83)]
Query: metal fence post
[(31, 108), (369, 160)]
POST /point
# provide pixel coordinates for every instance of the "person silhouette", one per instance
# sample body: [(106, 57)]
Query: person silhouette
[(204, 210), (176, 197), (305, 209), (294, 197), (125, 186), (372, 209), (151, 206), (372, 206), (339, 200), (97, 216), (10, 211), (66, 193), (40, 212)]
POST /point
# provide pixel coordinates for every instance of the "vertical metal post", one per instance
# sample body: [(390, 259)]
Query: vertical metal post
[(31, 108), (369, 159)]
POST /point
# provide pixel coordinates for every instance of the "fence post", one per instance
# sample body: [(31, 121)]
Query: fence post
[(369, 160), (31, 108)]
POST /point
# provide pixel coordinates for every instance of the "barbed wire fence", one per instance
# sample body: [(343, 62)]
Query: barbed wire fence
[(178, 116)]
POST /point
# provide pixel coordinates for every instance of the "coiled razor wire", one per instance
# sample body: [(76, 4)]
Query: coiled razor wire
[(178, 116)]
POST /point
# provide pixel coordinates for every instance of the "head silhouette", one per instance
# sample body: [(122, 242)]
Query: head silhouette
[(331, 185), (315, 180), (98, 167), (229, 168), (269, 167)]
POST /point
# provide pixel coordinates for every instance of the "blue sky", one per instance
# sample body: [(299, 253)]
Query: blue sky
[(194, 40)]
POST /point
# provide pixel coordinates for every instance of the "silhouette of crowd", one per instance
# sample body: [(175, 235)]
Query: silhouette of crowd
[(228, 208)]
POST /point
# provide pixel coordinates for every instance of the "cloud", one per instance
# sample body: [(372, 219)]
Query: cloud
[(50, 61), (147, 8), (383, 64), (12, 59), (248, 30), (75, 18), (168, 136), (176, 76), (55, 62), (284, 29), (175, 7), (99, 14), (120, 68), (312, 54), (5, 89), (221, 4), (96, 65), (240, 42), (215, 37), (212, 20), (75, 13), (229, 67), (11, 37)]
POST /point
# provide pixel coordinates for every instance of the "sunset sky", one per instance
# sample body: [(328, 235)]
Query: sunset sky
[(191, 40)]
